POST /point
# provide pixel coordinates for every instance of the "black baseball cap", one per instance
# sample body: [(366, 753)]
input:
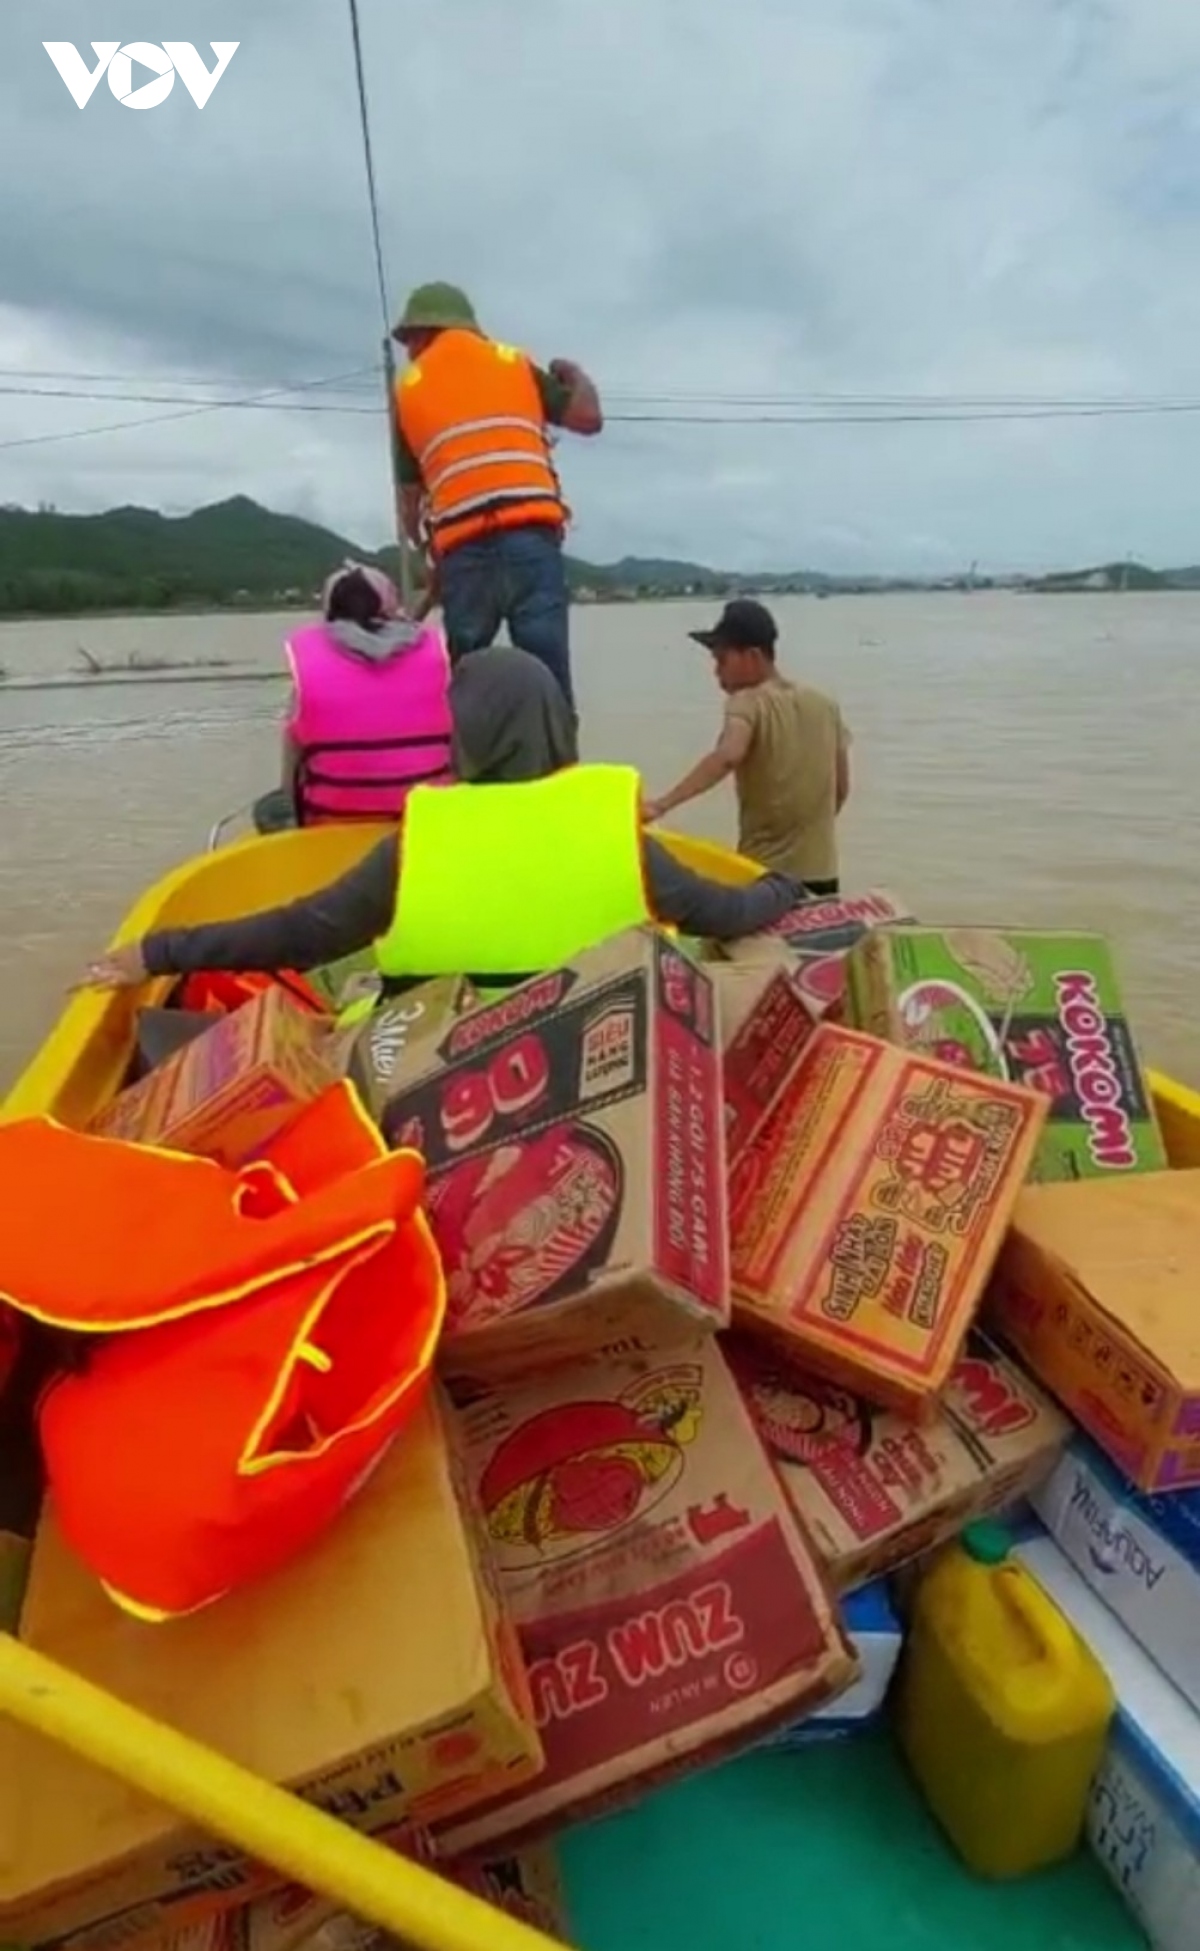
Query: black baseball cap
[(742, 625)]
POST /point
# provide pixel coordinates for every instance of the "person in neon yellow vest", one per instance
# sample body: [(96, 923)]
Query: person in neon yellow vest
[(497, 879)]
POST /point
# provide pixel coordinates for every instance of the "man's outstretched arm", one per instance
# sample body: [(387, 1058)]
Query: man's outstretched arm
[(724, 759), (699, 906)]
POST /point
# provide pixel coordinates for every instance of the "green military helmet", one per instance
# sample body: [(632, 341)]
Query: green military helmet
[(437, 307)]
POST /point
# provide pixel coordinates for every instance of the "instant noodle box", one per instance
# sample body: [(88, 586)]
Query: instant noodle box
[(875, 1490), (1098, 1290), (397, 1039), (527, 1886), (229, 1092), (816, 937), (378, 1675), (739, 987), (765, 1025), (1037, 1008), (669, 1604), (868, 1208), (347, 980), (576, 1162)]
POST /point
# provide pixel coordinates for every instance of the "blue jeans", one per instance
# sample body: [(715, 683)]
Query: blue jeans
[(515, 576)]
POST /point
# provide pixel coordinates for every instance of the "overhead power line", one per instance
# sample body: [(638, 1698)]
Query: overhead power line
[(717, 410), (190, 412), (368, 376)]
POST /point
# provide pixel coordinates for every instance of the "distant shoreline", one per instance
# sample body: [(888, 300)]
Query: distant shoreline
[(601, 599), (126, 674)]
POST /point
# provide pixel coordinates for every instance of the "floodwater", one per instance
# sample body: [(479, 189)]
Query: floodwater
[(1016, 759)]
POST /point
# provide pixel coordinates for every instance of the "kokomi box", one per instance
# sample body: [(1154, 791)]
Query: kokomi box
[(669, 1604), (867, 1211), (576, 1158), (378, 1675), (229, 1092), (1038, 1008), (875, 1490), (816, 937)]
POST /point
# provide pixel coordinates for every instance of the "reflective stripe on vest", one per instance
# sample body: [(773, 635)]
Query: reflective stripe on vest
[(471, 412), (189, 1457), (516, 878)]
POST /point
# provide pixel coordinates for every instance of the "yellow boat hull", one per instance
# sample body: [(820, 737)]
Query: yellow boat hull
[(85, 1058)]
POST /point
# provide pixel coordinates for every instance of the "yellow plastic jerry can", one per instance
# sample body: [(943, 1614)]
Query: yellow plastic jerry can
[(1002, 1710)]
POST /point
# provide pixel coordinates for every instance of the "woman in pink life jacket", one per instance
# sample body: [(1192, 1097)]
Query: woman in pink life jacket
[(370, 715)]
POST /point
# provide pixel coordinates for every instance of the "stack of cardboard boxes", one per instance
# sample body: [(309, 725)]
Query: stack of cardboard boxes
[(717, 1233)]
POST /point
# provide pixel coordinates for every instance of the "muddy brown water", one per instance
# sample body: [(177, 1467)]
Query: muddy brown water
[(1016, 759)]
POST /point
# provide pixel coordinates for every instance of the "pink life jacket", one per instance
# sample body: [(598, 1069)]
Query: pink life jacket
[(366, 733)]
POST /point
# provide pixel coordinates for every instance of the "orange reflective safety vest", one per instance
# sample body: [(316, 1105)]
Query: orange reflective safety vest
[(472, 415), (207, 1440)]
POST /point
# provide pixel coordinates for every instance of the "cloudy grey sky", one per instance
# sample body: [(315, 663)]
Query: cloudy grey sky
[(718, 209)]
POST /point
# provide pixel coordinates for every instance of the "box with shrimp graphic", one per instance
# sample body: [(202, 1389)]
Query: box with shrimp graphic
[(574, 1139), (814, 940), (876, 1490), (1034, 1007), (669, 1606), (867, 1209)]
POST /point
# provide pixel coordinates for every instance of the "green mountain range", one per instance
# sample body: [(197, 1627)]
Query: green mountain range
[(236, 554)]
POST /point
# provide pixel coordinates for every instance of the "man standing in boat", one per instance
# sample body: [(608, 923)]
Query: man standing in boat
[(786, 747), (477, 478)]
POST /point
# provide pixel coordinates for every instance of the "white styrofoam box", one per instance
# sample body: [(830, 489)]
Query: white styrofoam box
[(1140, 1554), (876, 1635), (1144, 1816)]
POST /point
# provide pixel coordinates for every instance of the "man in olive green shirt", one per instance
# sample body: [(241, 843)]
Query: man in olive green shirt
[(784, 743)]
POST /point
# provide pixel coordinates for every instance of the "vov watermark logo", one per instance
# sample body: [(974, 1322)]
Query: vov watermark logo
[(117, 61)]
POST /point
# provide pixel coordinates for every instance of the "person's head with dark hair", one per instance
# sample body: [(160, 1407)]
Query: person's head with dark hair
[(742, 642), (360, 595), (511, 720)]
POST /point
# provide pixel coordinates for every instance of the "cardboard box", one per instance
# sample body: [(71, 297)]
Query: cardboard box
[(739, 986), (669, 1605), (1097, 1289), (377, 1675), (528, 1885), (1037, 1008), (766, 1024), (867, 1211), (348, 979), (573, 1135), (815, 938), (1140, 1554), (873, 1489), (294, 1919), (289, 1919), (228, 1093), (875, 1634), (401, 1036), (160, 1033), (1143, 1820)]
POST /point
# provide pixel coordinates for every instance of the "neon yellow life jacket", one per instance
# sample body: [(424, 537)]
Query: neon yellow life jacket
[(511, 880)]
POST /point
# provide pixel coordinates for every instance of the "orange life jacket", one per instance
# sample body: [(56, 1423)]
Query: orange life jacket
[(222, 990), (472, 415), (223, 1426)]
